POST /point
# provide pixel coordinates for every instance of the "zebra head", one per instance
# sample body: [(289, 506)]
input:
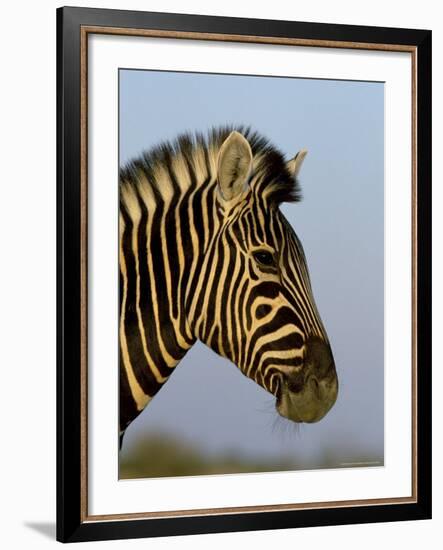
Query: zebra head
[(258, 308)]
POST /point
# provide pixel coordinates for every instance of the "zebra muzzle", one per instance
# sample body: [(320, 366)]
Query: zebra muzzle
[(308, 394)]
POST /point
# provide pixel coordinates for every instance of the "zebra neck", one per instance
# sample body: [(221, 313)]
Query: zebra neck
[(166, 225), (183, 219)]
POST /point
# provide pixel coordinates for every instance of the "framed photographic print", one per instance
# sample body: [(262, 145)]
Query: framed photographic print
[(244, 274)]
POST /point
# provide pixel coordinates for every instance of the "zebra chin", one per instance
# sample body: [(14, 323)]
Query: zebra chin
[(308, 394)]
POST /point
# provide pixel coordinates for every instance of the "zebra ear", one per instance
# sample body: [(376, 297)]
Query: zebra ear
[(294, 164), (233, 165)]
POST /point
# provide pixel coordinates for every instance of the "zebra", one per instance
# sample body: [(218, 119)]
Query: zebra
[(206, 253)]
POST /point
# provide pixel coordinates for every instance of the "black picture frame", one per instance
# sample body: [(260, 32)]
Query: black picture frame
[(72, 524)]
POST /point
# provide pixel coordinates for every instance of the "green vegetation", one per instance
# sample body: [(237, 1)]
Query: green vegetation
[(160, 455)]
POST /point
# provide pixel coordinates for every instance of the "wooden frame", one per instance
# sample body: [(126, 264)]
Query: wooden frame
[(73, 26)]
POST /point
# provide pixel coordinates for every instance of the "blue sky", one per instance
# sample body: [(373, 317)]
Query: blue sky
[(340, 223)]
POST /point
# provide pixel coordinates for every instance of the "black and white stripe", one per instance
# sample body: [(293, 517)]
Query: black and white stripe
[(206, 253)]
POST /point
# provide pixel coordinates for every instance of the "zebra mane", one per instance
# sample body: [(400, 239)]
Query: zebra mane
[(283, 187)]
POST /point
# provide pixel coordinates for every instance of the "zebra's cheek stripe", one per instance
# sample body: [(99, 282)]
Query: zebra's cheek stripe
[(257, 344)]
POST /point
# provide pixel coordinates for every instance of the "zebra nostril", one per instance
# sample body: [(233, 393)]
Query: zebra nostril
[(296, 382), (295, 387)]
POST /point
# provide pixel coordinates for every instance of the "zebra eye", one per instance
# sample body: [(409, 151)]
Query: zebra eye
[(265, 258)]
